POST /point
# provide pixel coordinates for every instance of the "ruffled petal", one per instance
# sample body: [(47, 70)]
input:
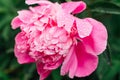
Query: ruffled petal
[(21, 50), (54, 65), (74, 7), (16, 22), (63, 19), (41, 71), (70, 64), (25, 16), (97, 41), (84, 28), (22, 57), (66, 21)]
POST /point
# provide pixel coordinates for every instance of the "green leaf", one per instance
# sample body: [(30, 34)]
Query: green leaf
[(105, 7)]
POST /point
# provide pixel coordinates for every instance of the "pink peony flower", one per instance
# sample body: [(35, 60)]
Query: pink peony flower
[(51, 36)]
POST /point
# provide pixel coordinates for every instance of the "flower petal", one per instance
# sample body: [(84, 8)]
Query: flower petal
[(23, 57), (54, 65), (16, 22), (84, 28), (67, 64), (21, 50), (29, 2), (87, 62), (74, 7), (79, 63), (41, 71), (25, 16), (73, 67), (97, 41), (64, 19)]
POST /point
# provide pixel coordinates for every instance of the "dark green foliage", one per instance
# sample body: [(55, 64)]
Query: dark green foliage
[(106, 11)]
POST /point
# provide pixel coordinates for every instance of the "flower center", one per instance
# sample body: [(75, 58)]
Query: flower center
[(52, 41)]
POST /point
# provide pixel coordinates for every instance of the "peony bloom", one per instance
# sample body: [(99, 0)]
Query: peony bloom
[(51, 36)]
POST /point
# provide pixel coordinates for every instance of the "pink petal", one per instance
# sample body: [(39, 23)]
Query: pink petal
[(29, 2), (74, 7), (54, 65), (84, 28), (67, 64), (79, 63), (97, 41), (87, 62), (22, 57), (21, 39), (25, 16), (64, 19), (21, 49), (73, 67), (16, 22), (41, 71)]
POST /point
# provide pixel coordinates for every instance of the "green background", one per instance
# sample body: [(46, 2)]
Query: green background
[(106, 11)]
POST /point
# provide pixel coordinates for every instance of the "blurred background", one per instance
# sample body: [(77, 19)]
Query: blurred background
[(106, 11)]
